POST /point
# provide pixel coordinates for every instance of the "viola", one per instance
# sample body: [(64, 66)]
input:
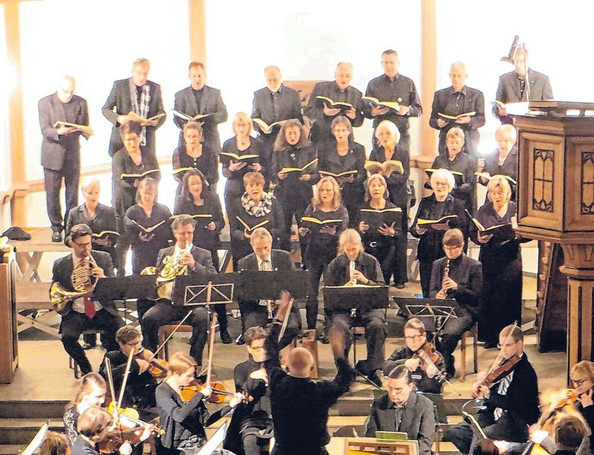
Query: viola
[(219, 391), (158, 368), (429, 356), (501, 371)]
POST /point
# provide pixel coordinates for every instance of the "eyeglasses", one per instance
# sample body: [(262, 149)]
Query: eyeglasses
[(81, 245), (509, 345), (578, 382), (414, 337)]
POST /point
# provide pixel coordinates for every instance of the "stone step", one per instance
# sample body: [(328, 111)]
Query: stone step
[(22, 431), (31, 409), (11, 449)]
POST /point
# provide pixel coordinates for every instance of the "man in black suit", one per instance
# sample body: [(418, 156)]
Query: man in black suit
[(464, 283), (84, 313), (198, 262), (321, 114), (512, 86), (274, 103), (402, 409), (393, 86), (352, 266), (199, 98), (139, 95), (510, 403), (454, 101), (60, 149), (254, 313)]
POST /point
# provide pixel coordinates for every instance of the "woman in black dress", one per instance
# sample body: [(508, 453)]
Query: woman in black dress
[(194, 155), (240, 155), (501, 301), (322, 240), (346, 157), (388, 136), (294, 181), (504, 160), (441, 203), (459, 161), (256, 208), (148, 226), (379, 239)]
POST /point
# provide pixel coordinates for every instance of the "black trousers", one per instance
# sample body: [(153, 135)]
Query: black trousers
[(164, 312), (253, 445), (255, 315), (292, 207), (70, 173), (316, 265), (451, 335), (375, 333), (73, 324), (425, 274)]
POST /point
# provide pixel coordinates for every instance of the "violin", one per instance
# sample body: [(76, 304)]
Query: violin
[(501, 371), (128, 428), (158, 368), (219, 391), (428, 356)]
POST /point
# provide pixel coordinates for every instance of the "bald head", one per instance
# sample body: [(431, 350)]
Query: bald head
[(300, 362), (66, 89), (343, 75), (458, 75), (273, 77)]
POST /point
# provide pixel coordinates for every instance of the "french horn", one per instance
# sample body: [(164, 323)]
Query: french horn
[(82, 282)]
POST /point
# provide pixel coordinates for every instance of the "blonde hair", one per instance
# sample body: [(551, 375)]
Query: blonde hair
[(181, 362), (584, 368), (381, 178), (316, 202), (260, 233), (242, 117), (499, 181), (349, 236), (255, 178), (415, 324), (85, 385), (150, 184), (512, 331), (455, 132), (93, 422)]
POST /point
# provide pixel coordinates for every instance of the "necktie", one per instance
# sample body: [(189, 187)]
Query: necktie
[(90, 310), (265, 267)]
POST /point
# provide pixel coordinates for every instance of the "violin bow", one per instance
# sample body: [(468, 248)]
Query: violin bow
[(108, 373), (213, 326), (286, 317), (171, 334), (500, 354), (126, 374)]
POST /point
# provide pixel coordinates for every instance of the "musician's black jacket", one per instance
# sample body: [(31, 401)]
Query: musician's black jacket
[(467, 273), (338, 270), (140, 387), (424, 383), (521, 400), (299, 405)]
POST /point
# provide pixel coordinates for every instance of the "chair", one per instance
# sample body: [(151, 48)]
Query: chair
[(165, 331), (71, 363), (308, 341), (357, 329), (473, 332)]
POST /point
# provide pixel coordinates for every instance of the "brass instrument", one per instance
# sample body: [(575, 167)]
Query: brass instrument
[(82, 283), (173, 266)]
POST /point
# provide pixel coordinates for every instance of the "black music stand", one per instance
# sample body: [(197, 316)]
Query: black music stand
[(355, 297), (258, 285), (433, 312), (207, 289), (125, 288)]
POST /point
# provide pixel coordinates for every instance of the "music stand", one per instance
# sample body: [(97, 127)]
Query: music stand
[(207, 289), (258, 285), (355, 297), (125, 288), (433, 312)]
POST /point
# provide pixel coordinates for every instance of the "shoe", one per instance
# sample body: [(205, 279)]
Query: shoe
[(88, 346), (489, 345), (323, 339), (225, 337), (399, 285), (362, 367), (57, 236), (240, 341), (375, 378)]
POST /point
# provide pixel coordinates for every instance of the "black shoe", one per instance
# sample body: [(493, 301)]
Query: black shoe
[(362, 367), (375, 378), (57, 236), (323, 339), (399, 285), (88, 346), (225, 337), (240, 341), (490, 345)]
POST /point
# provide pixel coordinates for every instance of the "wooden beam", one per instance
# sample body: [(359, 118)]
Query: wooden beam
[(196, 13), (428, 149)]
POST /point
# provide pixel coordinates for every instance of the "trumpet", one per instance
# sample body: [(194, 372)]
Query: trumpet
[(83, 283)]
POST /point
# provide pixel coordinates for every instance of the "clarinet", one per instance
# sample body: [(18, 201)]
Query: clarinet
[(446, 275)]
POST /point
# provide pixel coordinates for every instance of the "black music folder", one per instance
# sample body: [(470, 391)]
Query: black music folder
[(127, 287), (257, 285), (361, 297)]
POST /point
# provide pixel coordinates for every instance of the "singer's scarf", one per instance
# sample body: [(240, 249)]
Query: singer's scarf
[(141, 108), (259, 209)]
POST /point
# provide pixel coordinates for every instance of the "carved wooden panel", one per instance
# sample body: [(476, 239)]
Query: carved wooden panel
[(587, 184), (543, 180)]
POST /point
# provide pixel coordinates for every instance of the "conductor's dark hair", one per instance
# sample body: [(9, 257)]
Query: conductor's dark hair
[(182, 220), (400, 372), (79, 230), (485, 447), (94, 421), (130, 128), (254, 333), (390, 52), (569, 433), (126, 334)]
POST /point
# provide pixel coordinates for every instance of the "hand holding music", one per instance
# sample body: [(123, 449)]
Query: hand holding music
[(363, 226), (502, 111), (412, 364), (330, 112), (211, 226), (376, 110), (281, 175), (305, 178), (303, 231), (484, 238), (236, 165), (463, 120), (65, 130), (441, 226), (351, 113), (403, 110), (349, 179), (420, 230), (255, 167), (441, 122), (384, 229), (331, 230)]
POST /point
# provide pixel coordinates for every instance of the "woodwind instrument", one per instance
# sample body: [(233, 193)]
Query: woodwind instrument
[(446, 275), (351, 270)]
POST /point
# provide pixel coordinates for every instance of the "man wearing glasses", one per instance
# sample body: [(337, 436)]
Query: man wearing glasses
[(84, 313), (415, 338), (510, 402)]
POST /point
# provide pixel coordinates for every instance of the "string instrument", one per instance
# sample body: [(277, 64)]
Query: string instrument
[(219, 391), (158, 368), (501, 371), (428, 356)]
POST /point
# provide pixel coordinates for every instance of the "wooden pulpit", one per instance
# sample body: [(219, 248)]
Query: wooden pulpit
[(8, 325), (556, 203)]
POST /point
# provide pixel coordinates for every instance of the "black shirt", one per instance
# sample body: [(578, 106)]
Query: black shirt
[(198, 95)]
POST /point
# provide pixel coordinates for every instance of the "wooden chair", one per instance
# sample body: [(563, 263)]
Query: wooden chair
[(165, 331), (71, 363), (473, 332)]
